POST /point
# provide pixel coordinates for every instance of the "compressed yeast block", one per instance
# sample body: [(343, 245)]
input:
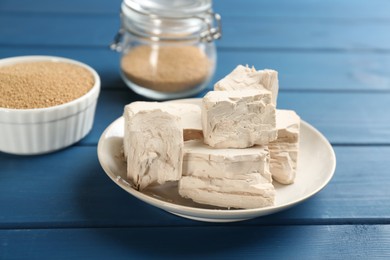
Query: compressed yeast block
[(153, 139), (230, 178), (190, 115), (238, 119), (245, 194), (243, 77), (203, 161), (284, 150)]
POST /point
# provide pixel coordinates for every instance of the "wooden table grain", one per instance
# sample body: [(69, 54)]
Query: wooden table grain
[(333, 59)]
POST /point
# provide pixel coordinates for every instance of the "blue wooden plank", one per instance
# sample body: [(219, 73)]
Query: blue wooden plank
[(347, 9), (247, 32), (314, 70), (344, 118), (50, 6), (57, 29), (69, 189), (222, 242), (338, 71), (300, 34), (333, 9)]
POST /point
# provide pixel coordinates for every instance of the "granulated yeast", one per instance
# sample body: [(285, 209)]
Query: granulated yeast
[(166, 68), (42, 84)]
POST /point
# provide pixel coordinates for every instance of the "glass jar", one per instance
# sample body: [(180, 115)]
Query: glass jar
[(167, 47)]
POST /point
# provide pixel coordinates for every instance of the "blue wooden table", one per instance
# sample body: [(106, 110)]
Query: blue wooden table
[(333, 59)]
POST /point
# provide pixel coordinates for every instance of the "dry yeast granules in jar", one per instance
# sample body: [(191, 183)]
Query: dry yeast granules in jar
[(167, 47), (166, 68), (42, 84)]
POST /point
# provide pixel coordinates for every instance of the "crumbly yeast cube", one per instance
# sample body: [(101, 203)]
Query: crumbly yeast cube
[(284, 150), (190, 115), (242, 78), (153, 140), (238, 119), (232, 178)]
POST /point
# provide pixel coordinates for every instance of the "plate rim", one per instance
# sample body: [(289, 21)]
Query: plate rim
[(215, 213)]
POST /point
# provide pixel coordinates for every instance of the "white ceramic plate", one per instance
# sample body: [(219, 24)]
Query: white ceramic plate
[(316, 166)]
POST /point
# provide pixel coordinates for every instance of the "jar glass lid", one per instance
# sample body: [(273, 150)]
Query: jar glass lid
[(169, 8), (170, 20)]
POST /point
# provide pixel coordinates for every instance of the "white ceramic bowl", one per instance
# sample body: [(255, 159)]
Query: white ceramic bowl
[(43, 130)]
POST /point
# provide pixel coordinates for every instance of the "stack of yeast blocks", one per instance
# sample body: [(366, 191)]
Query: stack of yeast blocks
[(226, 153)]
